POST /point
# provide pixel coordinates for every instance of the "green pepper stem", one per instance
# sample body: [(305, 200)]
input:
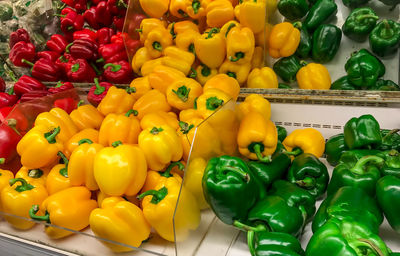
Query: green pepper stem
[(244, 175), (390, 133), (167, 172), (387, 31), (261, 158), (80, 103), (12, 76), (99, 89), (24, 184), (245, 227), (51, 136), (238, 56), (27, 62), (130, 112), (157, 46), (205, 71), (307, 182), (297, 24), (359, 166), (158, 195), (32, 213), (88, 141), (251, 242), (35, 173), (372, 246), (63, 157), (116, 143), (295, 152), (196, 6), (211, 32), (367, 16), (232, 25), (156, 130), (2, 160), (114, 67)]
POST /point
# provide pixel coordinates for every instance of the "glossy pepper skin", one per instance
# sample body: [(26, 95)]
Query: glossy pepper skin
[(58, 178), (116, 101), (118, 220), (71, 21), (50, 55), (179, 59), (219, 12), (211, 48), (98, 91), (79, 70), (151, 101), (69, 208), (193, 180), (308, 140), (273, 243), (18, 197), (326, 42), (87, 117), (229, 188), (18, 35), (364, 174), (313, 76), (240, 45), (119, 72), (334, 147), (129, 169), (252, 14), (73, 142), (349, 202), (384, 39), (359, 23), (9, 139), (283, 40), (159, 118), (46, 70), (139, 87), (22, 51), (182, 93), (164, 76), (387, 193), (83, 49), (26, 84), (185, 40), (293, 10), (321, 11), (305, 45), (66, 104), (346, 237), (254, 103), (363, 69), (154, 178), (287, 68), (225, 83), (237, 71), (343, 83), (205, 73), (390, 139), (262, 78), (362, 131), (113, 52), (61, 86), (157, 40), (385, 85), (155, 9), (310, 173), (257, 137)]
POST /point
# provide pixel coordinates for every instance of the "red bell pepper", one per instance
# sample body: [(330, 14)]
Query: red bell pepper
[(14, 118), (21, 52), (79, 70), (4, 112), (26, 84), (45, 70), (131, 44), (60, 87), (91, 17), (119, 72), (2, 85), (113, 52), (134, 24), (33, 95), (104, 14), (104, 35), (50, 55), (14, 165), (57, 43), (98, 91), (71, 21), (9, 139), (117, 7), (67, 104), (83, 49), (17, 36), (7, 99), (85, 34), (118, 22), (62, 62), (79, 5)]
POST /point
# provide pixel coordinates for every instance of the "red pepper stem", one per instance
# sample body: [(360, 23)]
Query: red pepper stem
[(114, 67), (167, 172), (82, 141), (245, 227), (158, 195), (257, 151), (373, 246), (99, 89), (2, 160), (60, 15), (51, 136), (12, 123), (359, 166), (68, 46), (27, 62), (122, 3), (32, 213)]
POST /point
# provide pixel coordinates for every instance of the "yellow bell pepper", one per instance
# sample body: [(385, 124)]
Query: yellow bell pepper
[(43, 140), (254, 103), (157, 40), (283, 40), (313, 76), (100, 196), (122, 127), (139, 86), (182, 93), (262, 38), (33, 175), (185, 40), (193, 180), (5, 176), (149, 66), (237, 71), (219, 12), (121, 221), (159, 118), (211, 48), (161, 146), (308, 140), (204, 73), (120, 169), (177, 58), (57, 117), (258, 58), (196, 8), (252, 14), (240, 45), (163, 76), (178, 8), (86, 117), (147, 25), (159, 210), (58, 178), (69, 208), (18, 198), (154, 8), (176, 28), (257, 137), (150, 102), (228, 26), (139, 59), (262, 78), (224, 83), (80, 167), (210, 101), (187, 114), (116, 101), (72, 143), (154, 178)]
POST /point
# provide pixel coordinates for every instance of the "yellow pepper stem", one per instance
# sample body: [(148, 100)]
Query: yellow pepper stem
[(185, 127), (35, 173), (307, 182), (232, 25), (167, 172), (257, 148), (193, 74), (172, 31), (182, 93), (24, 185), (51, 136), (82, 141), (32, 213), (158, 195)]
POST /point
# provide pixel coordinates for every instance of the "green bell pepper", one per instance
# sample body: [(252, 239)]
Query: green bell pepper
[(305, 45), (273, 243), (282, 133), (293, 9), (6, 11), (351, 157), (360, 23), (384, 39), (343, 83), (267, 173), (334, 148), (346, 237), (349, 202), (392, 162), (320, 12), (364, 69), (287, 67), (308, 172), (385, 85), (326, 42), (364, 174), (388, 196), (362, 131), (229, 188), (284, 86), (390, 140)]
